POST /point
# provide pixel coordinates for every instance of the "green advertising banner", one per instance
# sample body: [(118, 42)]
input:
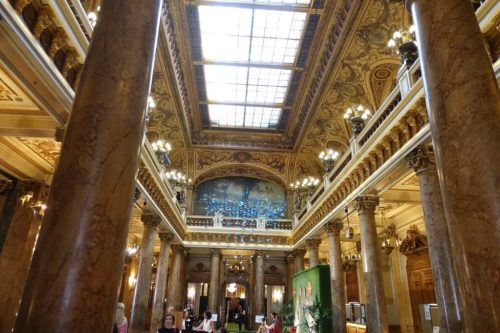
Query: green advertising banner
[(311, 286)]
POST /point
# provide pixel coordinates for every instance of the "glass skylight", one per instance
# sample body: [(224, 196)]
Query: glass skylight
[(247, 53)]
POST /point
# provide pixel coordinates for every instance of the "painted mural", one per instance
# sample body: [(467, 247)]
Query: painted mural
[(240, 197)]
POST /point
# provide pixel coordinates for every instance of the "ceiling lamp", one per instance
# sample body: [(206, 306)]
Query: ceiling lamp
[(178, 180), (358, 115), (403, 43), (389, 232), (349, 231), (162, 149), (231, 288), (328, 157)]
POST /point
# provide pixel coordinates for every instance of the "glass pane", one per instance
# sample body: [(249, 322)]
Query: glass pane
[(226, 115)]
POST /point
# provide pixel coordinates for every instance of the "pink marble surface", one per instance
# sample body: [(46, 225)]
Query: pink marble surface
[(376, 312), (141, 293), (448, 298), (463, 101), (337, 276), (14, 261), (161, 281), (77, 266)]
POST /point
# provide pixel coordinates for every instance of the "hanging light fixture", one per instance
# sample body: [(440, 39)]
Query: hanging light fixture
[(349, 231), (328, 157), (386, 245), (357, 114), (403, 43)]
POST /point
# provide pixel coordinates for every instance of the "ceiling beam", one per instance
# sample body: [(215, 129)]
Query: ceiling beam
[(278, 7), (246, 64), (278, 106)]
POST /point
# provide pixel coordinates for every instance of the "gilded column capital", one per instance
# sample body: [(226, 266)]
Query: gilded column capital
[(290, 259), (177, 248), (421, 158), (299, 252), (166, 237), (151, 220), (6, 186), (313, 243), (216, 252), (260, 253), (334, 227), (365, 203)]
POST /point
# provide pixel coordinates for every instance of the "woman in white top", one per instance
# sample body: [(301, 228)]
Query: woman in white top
[(207, 325)]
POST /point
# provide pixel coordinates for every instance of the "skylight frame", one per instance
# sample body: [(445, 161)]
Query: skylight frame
[(276, 92)]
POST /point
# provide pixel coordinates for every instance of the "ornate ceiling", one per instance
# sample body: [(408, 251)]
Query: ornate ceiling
[(349, 63)]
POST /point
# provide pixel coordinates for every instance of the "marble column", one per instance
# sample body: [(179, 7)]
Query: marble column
[(423, 162), (81, 246), (213, 290), (463, 101), (376, 312), (299, 259), (7, 205), (259, 282), (166, 239), (312, 245), (141, 292), (174, 287), (337, 276), (17, 250), (290, 270)]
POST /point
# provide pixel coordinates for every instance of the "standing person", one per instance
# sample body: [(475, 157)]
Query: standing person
[(240, 319), (187, 324), (121, 321), (207, 325), (168, 325)]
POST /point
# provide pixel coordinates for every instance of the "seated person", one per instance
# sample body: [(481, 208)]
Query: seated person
[(207, 325), (262, 327)]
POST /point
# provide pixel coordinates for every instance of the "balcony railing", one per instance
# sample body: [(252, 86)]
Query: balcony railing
[(238, 222)]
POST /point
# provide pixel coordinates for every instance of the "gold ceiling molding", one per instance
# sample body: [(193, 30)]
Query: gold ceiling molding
[(163, 121), (366, 46), (150, 185), (227, 170), (12, 97), (47, 149), (402, 132), (275, 162)]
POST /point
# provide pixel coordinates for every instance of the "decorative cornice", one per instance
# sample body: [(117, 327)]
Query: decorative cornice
[(413, 242), (313, 243), (421, 159), (334, 227), (146, 179), (324, 64), (366, 203)]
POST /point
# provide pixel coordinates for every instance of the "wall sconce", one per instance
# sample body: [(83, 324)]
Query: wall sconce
[(132, 250), (231, 288), (277, 296)]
